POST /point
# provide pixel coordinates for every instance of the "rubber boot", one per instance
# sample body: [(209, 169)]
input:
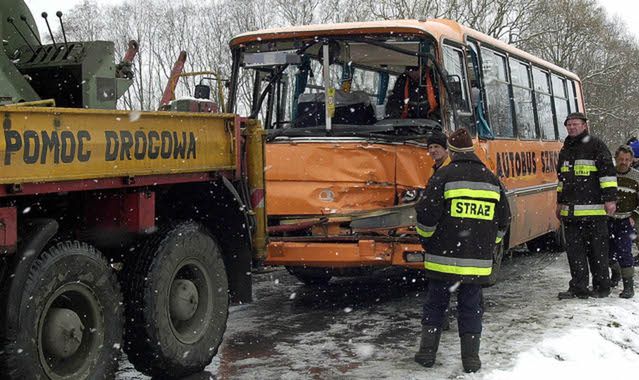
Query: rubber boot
[(470, 352), (428, 346), (615, 275), (627, 276)]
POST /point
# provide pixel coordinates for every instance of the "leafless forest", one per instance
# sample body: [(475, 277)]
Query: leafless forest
[(575, 34)]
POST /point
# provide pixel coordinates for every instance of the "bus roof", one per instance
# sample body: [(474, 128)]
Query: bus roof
[(440, 29)]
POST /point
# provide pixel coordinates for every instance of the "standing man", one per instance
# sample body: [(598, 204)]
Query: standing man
[(586, 193), (462, 216), (438, 149), (621, 225)]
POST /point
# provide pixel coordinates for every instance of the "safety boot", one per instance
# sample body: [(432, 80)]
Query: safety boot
[(627, 276), (428, 346), (470, 352), (600, 292), (572, 293), (615, 274)]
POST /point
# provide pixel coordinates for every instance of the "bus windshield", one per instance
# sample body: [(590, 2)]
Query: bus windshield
[(388, 85)]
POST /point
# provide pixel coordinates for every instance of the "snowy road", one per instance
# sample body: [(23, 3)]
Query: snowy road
[(369, 328)]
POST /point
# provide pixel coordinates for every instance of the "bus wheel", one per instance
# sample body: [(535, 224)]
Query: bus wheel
[(176, 301), (497, 259), (551, 242), (310, 276), (70, 318)]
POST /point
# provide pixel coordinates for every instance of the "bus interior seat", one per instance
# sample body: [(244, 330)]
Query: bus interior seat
[(354, 108)]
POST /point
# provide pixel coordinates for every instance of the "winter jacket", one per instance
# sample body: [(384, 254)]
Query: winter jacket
[(627, 194), (463, 214), (587, 178)]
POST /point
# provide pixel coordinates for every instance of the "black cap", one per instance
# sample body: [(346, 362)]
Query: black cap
[(576, 115), (437, 137)]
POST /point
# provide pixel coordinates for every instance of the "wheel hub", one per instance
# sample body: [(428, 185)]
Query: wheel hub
[(184, 300), (62, 333)]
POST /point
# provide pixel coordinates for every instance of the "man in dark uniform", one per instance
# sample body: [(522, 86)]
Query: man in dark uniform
[(586, 193), (463, 215), (409, 100), (621, 225)]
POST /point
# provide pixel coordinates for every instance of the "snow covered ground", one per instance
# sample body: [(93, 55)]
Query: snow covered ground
[(369, 328)]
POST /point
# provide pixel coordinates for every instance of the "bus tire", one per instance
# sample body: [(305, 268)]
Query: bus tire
[(70, 318), (553, 241), (176, 302), (310, 276), (497, 259)]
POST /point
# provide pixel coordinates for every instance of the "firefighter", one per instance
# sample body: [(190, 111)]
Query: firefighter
[(621, 225), (463, 215), (586, 193)]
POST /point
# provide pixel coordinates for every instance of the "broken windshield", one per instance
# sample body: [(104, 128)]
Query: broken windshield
[(386, 85)]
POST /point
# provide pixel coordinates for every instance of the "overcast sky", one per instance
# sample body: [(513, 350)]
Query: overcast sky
[(628, 10)]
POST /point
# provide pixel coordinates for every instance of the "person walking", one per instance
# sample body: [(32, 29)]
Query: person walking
[(621, 225), (586, 193), (460, 220)]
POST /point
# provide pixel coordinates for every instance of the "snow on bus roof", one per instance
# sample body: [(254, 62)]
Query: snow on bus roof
[(440, 29)]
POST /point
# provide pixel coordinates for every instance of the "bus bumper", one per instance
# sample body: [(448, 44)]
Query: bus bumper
[(344, 255)]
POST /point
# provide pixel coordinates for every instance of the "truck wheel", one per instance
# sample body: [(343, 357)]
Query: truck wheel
[(310, 276), (70, 318), (176, 301)]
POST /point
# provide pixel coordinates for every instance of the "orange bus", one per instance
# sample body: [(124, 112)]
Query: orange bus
[(344, 170)]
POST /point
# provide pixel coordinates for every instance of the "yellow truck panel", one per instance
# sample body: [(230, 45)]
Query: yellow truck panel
[(53, 144)]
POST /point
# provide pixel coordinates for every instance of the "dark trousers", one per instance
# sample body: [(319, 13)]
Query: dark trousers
[(620, 243), (587, 246), (469, 305)]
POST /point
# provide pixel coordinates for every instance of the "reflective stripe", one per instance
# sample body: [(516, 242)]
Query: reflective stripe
[(584, 210), (605, 182), (471, 189), (560, 187), (425, 231), (565, 169), (585, 162), (590, 212), (471, 185), (500, 236), (584, 170), (484, 194), (456, 265), (473, 209), (464, 271)]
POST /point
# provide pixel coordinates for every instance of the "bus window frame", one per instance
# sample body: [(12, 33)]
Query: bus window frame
[(504, 54), (548, 74), (531, 90), (566, 98), (459, 47)]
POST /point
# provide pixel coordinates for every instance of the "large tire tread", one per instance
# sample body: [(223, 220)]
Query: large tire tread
[(144, 353)]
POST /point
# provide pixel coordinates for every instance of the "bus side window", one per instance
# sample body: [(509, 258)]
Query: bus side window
[(561, 103), (497, 88), (523, 99), (543, 104), (455, 66)]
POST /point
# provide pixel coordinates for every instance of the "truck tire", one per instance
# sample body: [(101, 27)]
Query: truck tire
[(176, 301), (310, 276), (70, 318)]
